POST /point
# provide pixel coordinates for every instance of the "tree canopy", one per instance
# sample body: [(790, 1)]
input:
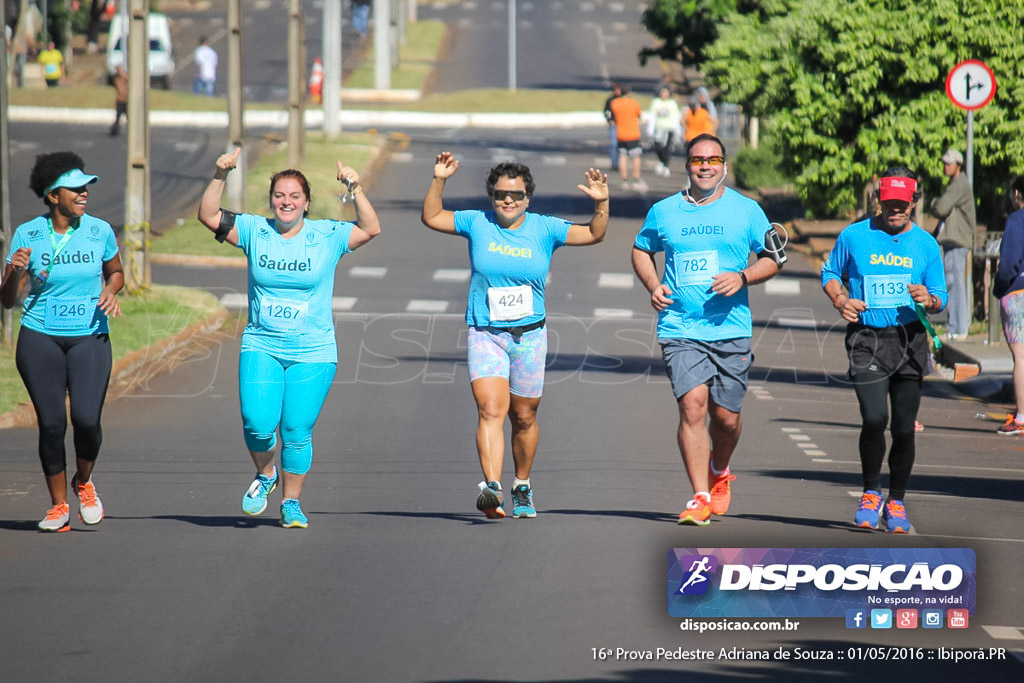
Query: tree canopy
[(851, 88)]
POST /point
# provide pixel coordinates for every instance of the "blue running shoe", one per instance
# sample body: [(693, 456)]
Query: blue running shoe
[(522, 502), (490, 500), (895, 516), (255, 500), (870, 508), (291, 514)]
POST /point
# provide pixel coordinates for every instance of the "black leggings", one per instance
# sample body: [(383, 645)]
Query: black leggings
[(57, 367), (875, 392), (664, 152)]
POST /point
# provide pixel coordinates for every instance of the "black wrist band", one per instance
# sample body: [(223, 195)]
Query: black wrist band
[(744, 276)]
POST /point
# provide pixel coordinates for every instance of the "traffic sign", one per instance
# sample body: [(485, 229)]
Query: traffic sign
[(971, 84)]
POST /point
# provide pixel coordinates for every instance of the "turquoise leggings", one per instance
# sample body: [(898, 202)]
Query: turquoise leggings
[(287, 393)]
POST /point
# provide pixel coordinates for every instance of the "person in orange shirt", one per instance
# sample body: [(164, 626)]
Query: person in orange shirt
[(627, 113), (697, 120)]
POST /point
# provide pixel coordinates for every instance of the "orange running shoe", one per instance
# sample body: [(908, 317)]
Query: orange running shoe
[(90, 509), (58, 518), (721, 492), (1012, 427), (698, 511)]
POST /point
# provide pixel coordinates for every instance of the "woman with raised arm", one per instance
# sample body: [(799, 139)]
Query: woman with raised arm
[(289, 353), (510, 255)]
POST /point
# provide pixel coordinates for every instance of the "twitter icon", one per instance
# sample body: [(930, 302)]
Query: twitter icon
[(881, 618)]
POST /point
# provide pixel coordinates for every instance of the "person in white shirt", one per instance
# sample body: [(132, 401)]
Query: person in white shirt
[(206, 68)]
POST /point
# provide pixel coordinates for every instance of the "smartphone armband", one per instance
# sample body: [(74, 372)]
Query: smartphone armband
[(227, 221), (774, 245)]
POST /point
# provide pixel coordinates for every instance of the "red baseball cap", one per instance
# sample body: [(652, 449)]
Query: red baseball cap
[(897, 188)]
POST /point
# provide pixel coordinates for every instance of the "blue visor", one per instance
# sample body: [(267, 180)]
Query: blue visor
[(72, 179)]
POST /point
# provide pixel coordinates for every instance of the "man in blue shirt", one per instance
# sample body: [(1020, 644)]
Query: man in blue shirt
[(707, 232)]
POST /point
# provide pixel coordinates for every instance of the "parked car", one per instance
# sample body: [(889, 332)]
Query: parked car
[(161, 50)]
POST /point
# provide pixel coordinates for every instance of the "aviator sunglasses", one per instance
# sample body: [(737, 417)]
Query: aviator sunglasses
[(499, 195), (710, 161)]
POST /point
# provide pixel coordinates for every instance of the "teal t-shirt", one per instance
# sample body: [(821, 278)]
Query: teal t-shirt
[(879, 266), (65, 290), (291, 285), (699, 242), (509, 267)]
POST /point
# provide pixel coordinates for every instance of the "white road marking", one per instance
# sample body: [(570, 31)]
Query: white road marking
[(788, 430), (405, 158), (622, 313), (615, 280), (426, 306), (554, 160), (784, 285), (799, 437), (805, 446), (1005, 632), (451, 275), (816, 453), (821, 460), (370, 272), (234, 300), (807, 323), (343, 303)]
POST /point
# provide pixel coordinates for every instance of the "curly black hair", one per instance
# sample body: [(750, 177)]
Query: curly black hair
[(49, 167), (510, 169)]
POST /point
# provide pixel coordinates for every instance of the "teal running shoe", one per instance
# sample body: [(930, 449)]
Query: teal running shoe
[(868, 511), (490, 500), (255, 500), (522, 502), (291, 514), (895, 515)]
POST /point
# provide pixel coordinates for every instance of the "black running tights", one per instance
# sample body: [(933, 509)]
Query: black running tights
[(875, 393), (57, 367)]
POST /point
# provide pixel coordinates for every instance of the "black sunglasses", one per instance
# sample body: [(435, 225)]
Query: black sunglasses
[(499, 195)]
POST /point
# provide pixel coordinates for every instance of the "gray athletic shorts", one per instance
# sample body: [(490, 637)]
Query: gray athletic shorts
[(721, 365)]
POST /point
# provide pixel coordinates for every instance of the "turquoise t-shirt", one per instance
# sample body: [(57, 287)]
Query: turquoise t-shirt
[(291, 284), (509, 267), (879, 266), (699, 242), (65, 291)]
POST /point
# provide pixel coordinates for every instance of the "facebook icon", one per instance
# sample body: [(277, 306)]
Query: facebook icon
[(856, 618)]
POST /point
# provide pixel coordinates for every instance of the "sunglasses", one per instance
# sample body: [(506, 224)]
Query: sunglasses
[(710, 161), (499, 195)]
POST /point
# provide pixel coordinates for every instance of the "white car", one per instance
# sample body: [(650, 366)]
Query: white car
[(161, 51)]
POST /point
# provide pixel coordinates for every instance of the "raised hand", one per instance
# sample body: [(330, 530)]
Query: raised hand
[(597, 185), (226, 162), (445, 165)]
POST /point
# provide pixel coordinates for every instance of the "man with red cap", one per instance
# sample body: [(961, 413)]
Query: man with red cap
[(891, 266)]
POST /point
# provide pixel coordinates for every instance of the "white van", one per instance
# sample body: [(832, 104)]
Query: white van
[(161, 52)]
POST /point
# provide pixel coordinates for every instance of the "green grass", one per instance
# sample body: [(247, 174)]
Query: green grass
[(147, 318), (415, 58), (487, 100), (352, 149)]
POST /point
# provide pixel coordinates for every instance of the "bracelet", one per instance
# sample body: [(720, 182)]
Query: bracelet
[(744, 276), (356, 189)]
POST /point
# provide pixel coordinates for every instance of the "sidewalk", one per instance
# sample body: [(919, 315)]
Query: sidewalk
[(994, 384)]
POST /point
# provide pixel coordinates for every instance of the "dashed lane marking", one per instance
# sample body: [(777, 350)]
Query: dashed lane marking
[(426, 306), (785, 285), (369, 272), (615, 280), (451, 275), (620, 313)]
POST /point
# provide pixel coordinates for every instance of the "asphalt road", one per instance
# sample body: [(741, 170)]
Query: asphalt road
[(399, 578)]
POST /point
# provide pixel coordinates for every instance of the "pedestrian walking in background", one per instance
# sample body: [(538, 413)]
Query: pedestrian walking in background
[(361, 17), (627, 114), (892, 266), (613, 139), (52, 62), (955, 234), (697, 119), (663, 128), (120, 81), (707, 233), (64, 268), (205, 58), (1009, 288)]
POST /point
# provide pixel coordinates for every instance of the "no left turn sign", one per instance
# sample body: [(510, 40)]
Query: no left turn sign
[(971, 84)]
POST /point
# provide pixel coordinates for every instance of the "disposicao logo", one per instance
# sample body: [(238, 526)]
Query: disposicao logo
[(818, 582)]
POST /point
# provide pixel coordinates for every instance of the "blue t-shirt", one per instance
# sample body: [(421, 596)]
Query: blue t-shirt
[(65, 292), (291, 284), (509, 267), (879, 266), (699, 242)]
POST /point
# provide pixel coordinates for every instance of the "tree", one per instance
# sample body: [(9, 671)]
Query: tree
[(685, 28), (851, 88)]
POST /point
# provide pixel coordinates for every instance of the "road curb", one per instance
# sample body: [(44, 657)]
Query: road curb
[(132, 369)]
